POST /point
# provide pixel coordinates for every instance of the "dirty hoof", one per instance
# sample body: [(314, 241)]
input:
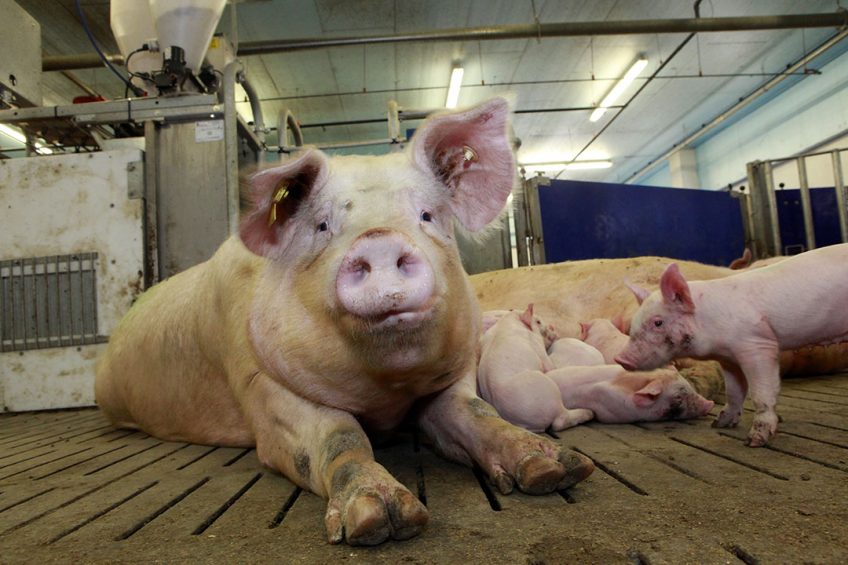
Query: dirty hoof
[(726, 419), (760, 434), (372, 508), (539, 474)]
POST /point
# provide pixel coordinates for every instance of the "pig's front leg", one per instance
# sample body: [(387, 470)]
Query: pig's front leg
[(468, 430), (735, 390), (762, 372), (326, 451)]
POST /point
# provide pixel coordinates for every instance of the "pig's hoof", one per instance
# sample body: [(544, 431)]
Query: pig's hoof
[(726, 419), (373, 511), (760, 434), (538, 474)]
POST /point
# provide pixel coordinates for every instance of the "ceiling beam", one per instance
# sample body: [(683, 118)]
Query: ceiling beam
[(490, 33)]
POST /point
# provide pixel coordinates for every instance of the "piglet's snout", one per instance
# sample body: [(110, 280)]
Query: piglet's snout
[(384, 274)]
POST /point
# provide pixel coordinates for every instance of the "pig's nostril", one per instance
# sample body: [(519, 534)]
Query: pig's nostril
[(360, 266), (401, 261)]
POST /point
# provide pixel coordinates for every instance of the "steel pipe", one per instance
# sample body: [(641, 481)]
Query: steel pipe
[(559, 29), (73, 62), (492, 33)]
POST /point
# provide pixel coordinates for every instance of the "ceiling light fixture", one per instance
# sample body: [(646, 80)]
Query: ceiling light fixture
[(557, 166), (453, 89), (18, 135), (619, 88), (15, 134)]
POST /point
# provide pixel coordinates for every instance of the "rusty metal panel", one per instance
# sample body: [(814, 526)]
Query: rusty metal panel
[(55, 208)]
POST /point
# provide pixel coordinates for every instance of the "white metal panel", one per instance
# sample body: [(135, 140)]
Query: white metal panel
[(61, 205)]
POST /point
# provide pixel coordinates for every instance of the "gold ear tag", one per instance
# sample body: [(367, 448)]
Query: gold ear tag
[(281, 192), (468, 153)]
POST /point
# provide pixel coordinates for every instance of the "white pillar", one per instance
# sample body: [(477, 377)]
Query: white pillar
[(684, 169)]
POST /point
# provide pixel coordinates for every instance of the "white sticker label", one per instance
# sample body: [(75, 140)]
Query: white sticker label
[(208, 130)]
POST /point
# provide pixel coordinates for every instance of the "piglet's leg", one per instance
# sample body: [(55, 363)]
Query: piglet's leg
[(326, 451), (468, 430), (763, 374), (735, 389)]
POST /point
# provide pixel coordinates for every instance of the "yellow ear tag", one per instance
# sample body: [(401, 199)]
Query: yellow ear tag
[(281, 192), (468, 154)]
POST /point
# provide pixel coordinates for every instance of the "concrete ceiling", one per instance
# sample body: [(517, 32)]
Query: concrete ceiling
[(344, 84)]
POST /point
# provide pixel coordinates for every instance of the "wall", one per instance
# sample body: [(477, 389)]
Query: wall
[(810, 115)]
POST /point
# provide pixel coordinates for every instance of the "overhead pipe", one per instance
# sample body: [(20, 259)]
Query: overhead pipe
[(515, 31), (561, 29), (742, 104)]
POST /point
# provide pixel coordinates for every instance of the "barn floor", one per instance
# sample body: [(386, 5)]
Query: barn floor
[(73, 489)]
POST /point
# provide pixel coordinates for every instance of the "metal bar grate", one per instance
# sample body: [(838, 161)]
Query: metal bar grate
[(48, 302)]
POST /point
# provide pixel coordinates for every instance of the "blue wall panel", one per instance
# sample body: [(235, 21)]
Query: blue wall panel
[(825, 219), (588, 220)]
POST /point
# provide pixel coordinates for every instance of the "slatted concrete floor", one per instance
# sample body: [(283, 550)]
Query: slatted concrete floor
[(75, 490)]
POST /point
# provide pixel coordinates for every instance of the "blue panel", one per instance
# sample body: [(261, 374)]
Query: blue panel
[(825, 219), (588, 220)]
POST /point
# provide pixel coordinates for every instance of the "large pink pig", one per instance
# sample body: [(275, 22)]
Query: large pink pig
[(743, 321), (341, 304), (511, 375), (617, 396)]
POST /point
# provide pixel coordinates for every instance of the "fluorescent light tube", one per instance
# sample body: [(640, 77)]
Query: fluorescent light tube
[(619, 88), (555, 167), (12, 133), (453, 89)]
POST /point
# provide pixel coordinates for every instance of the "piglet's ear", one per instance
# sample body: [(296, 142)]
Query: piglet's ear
[(641, 293), (527, 316), (276, 194), (648, 394), (470, 153), (675, 289)]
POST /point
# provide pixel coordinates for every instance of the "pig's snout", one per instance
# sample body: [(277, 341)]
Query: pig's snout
[(626, 363), (385, 277)]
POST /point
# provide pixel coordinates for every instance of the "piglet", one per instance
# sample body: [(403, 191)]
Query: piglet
[(569, 351), (511, 375), (605, 336), (743, 321), (617, 396)]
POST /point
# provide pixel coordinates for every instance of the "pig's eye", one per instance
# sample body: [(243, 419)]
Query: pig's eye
[(426, 217), (658, 323), (323, 226)]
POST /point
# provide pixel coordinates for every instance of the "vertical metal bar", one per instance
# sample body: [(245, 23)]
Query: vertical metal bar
[(70, 301), (151, 214), (841, 199), (23, 301), (231, 143), (4, 303), (82, 298), (806, 205), (771, 198), (94, 332), (59, 332), (50, 323), (35, 295)]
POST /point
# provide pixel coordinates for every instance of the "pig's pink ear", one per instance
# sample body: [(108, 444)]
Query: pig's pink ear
[(284, 188), (648, 394), (584, 331), (470, 152), (527, 316), (620, 324), (641, 293), (675, 289)]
